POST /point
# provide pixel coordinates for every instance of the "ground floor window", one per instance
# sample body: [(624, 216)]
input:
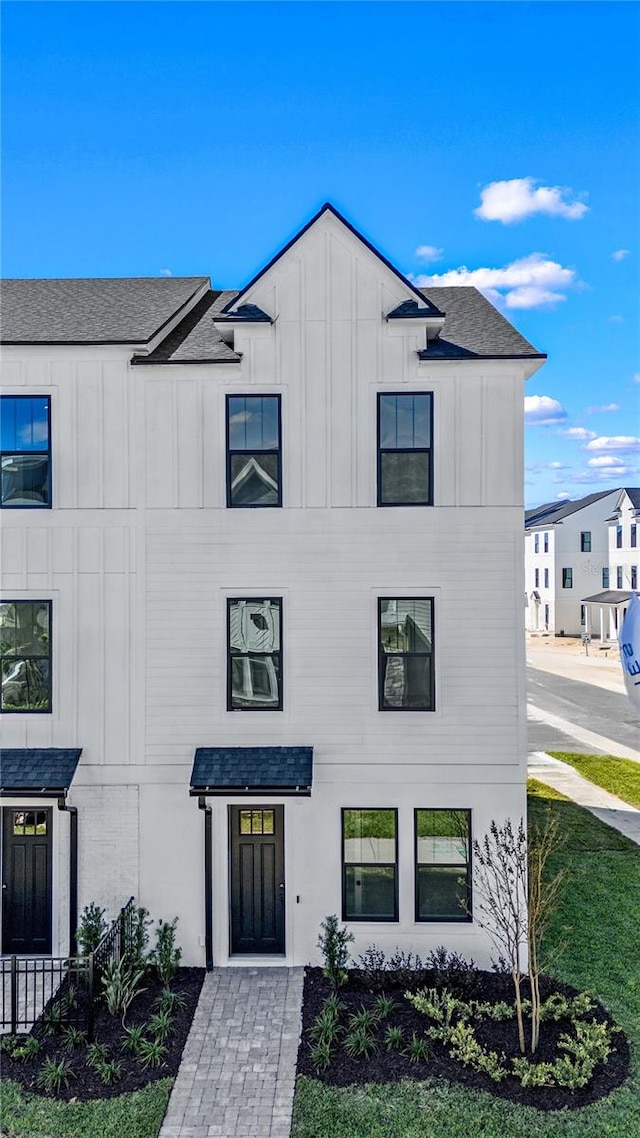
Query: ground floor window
[(443, 865), (369, 865)]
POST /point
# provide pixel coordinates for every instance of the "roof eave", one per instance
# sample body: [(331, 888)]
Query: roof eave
[(251, 789)]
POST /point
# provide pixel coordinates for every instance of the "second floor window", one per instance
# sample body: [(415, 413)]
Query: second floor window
[(536, 576), (546, 542), (405, 652), (618, 537), (254, 670), (634, 577), (404, 450), (26, 451), (567, 578), (605, 578), (546, 578), (585, 541), (536, 543), (619, 584), (254, 453), (634, 536), (25, 655)]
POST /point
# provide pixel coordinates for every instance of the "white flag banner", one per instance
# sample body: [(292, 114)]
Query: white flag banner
[(629, 641)]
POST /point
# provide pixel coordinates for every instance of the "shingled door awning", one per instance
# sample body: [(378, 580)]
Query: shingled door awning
[(46, 771), (252, 770)]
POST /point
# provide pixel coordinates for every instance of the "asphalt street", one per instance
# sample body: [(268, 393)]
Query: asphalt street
[(589, 706)]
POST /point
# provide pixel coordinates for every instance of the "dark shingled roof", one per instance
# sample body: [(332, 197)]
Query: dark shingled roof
[(552, 512), (224, 770), (91, 311), (474, 329), (633, 493), (37, 769), (608, 597), (410, 309), (195, 339)]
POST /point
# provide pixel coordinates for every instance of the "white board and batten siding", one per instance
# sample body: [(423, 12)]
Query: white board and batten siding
[(140, 554)]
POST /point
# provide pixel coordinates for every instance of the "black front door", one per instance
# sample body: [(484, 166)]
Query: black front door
[(26, 881), (257, 878)]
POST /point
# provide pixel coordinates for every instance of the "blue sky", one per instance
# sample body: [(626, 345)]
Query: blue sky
[(141, 138)]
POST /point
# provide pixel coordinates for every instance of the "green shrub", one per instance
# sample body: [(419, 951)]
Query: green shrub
[(359, 1043), (324, 1028), (393, 1038), (373, 965), (439, 1005), (73, 1038), (165, 954), (97, 1054), (465, 1048), (109, 1072), (55, 1076), (151, 1053), (169, 1001), (364, 1019), (137, 928), (418, 1049), (121, 981), (384, 1006), (320, 1055), (333, 1005), (333, 943), (160, 1025), (133, 1037), (91, 929), (26, 1047)]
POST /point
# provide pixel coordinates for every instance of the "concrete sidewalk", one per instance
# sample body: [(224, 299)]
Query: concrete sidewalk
[(571, 661), (600, 803)]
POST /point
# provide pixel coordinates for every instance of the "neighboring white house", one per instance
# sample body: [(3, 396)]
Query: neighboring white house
[(246, 664), (606, 609), (566, 559)]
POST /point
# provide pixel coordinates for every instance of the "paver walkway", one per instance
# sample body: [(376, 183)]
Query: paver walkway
[(610, 809), (237, 1075)]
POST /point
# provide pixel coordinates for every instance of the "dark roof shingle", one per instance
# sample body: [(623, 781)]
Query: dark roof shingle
[(91, 311), (473, 328), (220, 769), (195, 339), (552, 512), (37, 769)]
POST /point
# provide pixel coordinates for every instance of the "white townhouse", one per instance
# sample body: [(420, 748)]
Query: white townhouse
[(606, 609), (248, 673), (566, 559)]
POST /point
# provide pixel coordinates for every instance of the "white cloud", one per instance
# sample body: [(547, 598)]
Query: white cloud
[(541, 410), (429, 253), (624, 443), (558, 466), (620, 254), (563, 496), (605, 460), (579, 433), (530, 282), (601, 410), (518, 198), (165, 273), (616, 319), (636, 377)]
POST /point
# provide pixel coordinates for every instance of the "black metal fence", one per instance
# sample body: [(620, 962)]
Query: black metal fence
[(49, 993)]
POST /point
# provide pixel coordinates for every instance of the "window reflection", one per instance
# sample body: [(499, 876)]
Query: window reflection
[(25, 655), (254, 655), (25, 450), (404, 450), (253, 450)]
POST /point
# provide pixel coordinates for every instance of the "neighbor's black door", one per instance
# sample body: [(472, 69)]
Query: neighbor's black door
[(26, 881), (257, 878)]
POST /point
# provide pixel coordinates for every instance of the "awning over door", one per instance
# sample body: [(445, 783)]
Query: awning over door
[(608, 597), (37, 770), (252, 770)]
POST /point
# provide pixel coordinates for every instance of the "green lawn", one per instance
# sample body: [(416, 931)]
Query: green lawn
[(618, 776), (137, 1115), (595, 945)]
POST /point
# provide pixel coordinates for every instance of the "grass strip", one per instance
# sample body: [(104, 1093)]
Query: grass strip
[(618, 776), (136, 1115)]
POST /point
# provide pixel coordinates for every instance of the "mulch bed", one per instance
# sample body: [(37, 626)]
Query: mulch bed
[(392, 1066), (84, 1082)]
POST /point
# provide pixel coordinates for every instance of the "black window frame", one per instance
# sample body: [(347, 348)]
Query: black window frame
[(536, 578), (619, 577), (583, 615), (633, 535), (634, 578), (605, 577), (536, 543), (383, 865), (546, 579), (466, 913), (619, 537), (22, 453), (567, 577), (546, 542), (404, 450), (585, 541), (231, 656), (253, 450), (383, 655), (28, 710)]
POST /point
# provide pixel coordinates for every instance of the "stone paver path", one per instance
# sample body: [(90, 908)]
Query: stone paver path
[(610, 809), (237, 1075)]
